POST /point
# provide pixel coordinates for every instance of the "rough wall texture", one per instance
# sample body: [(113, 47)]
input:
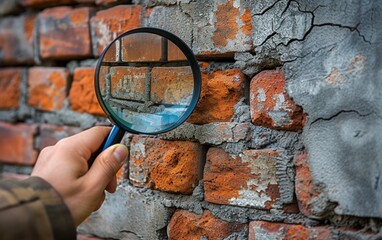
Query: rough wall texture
[(285, 142)]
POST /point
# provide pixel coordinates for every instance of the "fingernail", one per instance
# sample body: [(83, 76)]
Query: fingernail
[(120, 153)]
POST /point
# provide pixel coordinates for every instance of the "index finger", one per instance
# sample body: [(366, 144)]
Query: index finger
[(87, 142)]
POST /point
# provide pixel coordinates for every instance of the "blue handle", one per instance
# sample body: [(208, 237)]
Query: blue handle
[(115, 136)]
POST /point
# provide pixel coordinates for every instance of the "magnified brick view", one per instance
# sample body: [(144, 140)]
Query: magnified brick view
[(146, 82)]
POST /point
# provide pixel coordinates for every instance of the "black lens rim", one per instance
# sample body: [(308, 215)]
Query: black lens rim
[(195, 71)]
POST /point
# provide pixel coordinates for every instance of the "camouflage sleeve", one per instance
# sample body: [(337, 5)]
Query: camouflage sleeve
[(32, 209)]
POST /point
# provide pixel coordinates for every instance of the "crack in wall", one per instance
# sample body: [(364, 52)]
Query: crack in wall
[(339, 113), (312, 25)]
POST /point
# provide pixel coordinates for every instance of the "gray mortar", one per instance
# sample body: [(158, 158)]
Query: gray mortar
[(150, 211)]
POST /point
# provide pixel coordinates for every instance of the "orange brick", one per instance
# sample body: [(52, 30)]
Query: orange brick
[(47, 87), (245, 180), (172, 85), (188, 225), (10, 79), (221, 90), (170, 166), (110, 23), (82, 95), (270, 105), (16, 143), (56, 24)]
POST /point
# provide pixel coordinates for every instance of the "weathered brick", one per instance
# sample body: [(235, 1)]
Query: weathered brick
[(304, 185), (218, 133), (221, 90), (245, 180), (51, 134), (170, 166), (47, 87), (56, 24), (172, 85), (16, 143), (270, 105), (43, 3), (128, 82), (110, 23), (16, 40), (227, 24), (188, 225), (10, 79), (259, 230), (82, 97)]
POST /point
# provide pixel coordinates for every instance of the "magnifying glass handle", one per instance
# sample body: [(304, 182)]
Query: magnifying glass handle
[(115, 136)]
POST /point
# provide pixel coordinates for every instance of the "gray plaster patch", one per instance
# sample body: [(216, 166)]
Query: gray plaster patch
[(331, 52), (344, 154), (142, 219)]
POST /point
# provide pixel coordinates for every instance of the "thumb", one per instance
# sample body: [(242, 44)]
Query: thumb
[(106, 165)]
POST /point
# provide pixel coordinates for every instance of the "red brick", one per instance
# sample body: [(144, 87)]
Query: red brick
[(135, 47), (174, 52), (47, 87), (304, 185), (187, 225), (110, 23), (245, 180), (103, 74), (170, 166), (172, 85), (10, 79), (16, 40), (128, 83), (270, 105), (56, 25), (82, 95), (112, 54), (259, 230), (221, 90), (51, 134), (43, 3), (16, 143)]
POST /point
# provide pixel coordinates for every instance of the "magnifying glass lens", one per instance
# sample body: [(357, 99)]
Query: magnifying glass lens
[(146, 83)]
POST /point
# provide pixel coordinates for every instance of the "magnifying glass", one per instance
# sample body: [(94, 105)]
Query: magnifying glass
[(147, 81)]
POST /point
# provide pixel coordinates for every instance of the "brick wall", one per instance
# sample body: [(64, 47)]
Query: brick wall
[(246, 164)]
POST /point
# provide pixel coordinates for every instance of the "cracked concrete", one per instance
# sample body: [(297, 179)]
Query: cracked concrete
[(331, 53), (333, 72)]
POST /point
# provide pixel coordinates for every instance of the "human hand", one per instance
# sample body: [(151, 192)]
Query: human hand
[(65, 167)]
